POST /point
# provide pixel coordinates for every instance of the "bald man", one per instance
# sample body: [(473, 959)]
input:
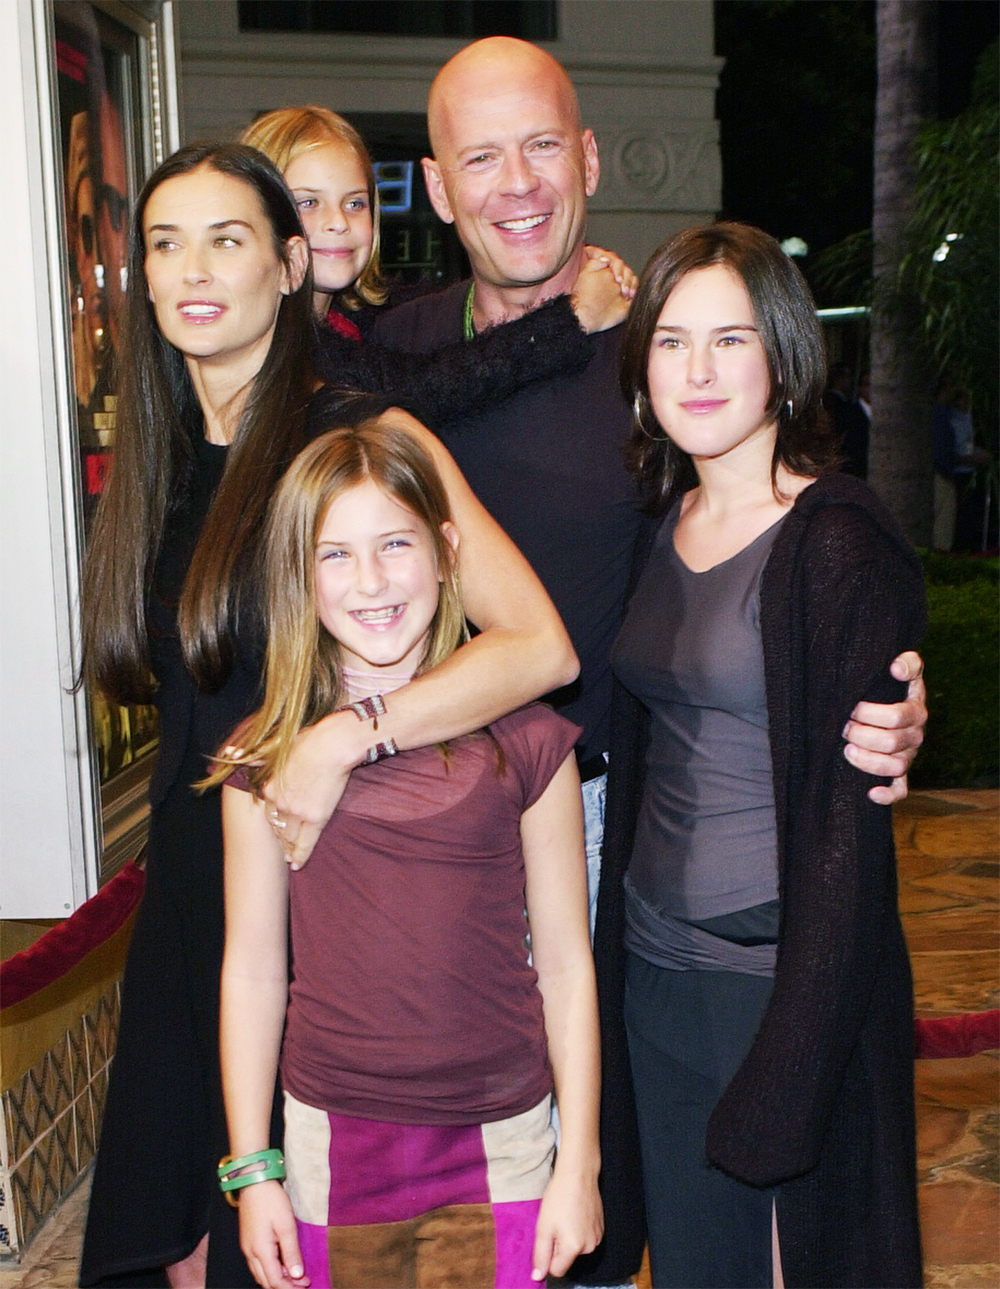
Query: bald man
[(512, 170)]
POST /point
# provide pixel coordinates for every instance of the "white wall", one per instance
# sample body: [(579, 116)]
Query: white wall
[(46, 802), (645, 72)]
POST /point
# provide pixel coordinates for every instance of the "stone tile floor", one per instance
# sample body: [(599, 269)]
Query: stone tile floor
[(949, 866), (51, 1259)]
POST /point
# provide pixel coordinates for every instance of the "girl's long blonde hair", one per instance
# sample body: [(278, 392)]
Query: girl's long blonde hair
[(285, 134), (304, 677)]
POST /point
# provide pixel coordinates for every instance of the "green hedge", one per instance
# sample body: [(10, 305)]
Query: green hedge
[(961, 653)]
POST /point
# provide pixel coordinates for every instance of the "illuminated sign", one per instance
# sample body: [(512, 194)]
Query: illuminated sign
[(394, 180)]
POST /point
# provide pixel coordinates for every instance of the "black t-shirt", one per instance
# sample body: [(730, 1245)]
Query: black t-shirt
[(547, 463)]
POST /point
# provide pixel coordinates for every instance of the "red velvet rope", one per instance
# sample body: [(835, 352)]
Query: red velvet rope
[(966, 1035), (64, 945)]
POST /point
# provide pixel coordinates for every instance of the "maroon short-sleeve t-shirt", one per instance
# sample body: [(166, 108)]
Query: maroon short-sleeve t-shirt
[(413, 999)]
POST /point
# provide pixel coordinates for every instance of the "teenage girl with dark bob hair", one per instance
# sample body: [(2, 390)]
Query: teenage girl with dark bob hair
[(751, 959), (217, 395)]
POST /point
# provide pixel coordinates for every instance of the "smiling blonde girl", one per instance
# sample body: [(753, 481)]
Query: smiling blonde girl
[(420, 1046), (327, 167)]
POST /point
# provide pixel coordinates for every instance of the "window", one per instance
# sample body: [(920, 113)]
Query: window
[(528, 19)]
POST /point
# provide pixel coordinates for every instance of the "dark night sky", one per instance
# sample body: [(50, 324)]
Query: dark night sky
[(965, 28), (796, 106)]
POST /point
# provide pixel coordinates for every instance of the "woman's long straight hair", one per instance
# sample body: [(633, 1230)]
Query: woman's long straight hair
[(158, 420), (304, 670)]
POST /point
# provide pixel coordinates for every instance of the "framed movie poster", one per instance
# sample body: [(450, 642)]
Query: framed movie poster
[(114, 126)]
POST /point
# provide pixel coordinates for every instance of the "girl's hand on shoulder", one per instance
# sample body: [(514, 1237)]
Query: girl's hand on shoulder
[(300, 805), (627, 280), (269, 1237), (598, 300), (570, 1222)]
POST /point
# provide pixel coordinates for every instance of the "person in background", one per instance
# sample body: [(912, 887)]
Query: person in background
[(851, 423), (956, 456)]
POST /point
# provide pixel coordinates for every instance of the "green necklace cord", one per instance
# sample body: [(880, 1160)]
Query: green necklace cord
[(468, 327)]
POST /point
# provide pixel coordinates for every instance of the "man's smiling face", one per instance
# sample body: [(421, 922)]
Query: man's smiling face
[(512, 168)]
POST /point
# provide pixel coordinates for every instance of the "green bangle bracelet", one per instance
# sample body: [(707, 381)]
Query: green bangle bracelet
[(273, 1169)]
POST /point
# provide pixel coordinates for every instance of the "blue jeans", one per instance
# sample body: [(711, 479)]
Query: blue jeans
[(595, 793)]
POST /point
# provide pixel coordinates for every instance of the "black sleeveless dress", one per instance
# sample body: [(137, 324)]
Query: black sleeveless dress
[(164, 1127)]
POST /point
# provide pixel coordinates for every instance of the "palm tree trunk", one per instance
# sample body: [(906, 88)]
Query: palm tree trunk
[(900, 454)]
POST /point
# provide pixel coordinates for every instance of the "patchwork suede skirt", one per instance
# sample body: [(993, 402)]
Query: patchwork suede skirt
[(402, 1206)]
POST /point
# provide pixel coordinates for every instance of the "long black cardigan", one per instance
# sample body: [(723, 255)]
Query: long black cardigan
[(822, 1105)]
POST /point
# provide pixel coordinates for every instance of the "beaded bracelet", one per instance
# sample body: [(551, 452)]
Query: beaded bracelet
[(367, 709), (370, 709), (380, 751), (273, 1168)]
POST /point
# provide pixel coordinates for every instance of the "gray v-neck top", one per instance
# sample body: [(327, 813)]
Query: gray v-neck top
[(702, 886)]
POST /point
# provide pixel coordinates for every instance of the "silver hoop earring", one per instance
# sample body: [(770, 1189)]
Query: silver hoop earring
[(790, 408), (637, 414)]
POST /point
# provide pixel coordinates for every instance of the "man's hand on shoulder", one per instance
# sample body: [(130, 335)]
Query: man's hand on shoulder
[(882, 738)]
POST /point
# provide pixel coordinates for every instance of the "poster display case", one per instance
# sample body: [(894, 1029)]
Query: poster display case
[(111, 106)]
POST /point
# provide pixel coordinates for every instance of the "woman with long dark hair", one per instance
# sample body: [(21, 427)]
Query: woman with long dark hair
[(216, 396)]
